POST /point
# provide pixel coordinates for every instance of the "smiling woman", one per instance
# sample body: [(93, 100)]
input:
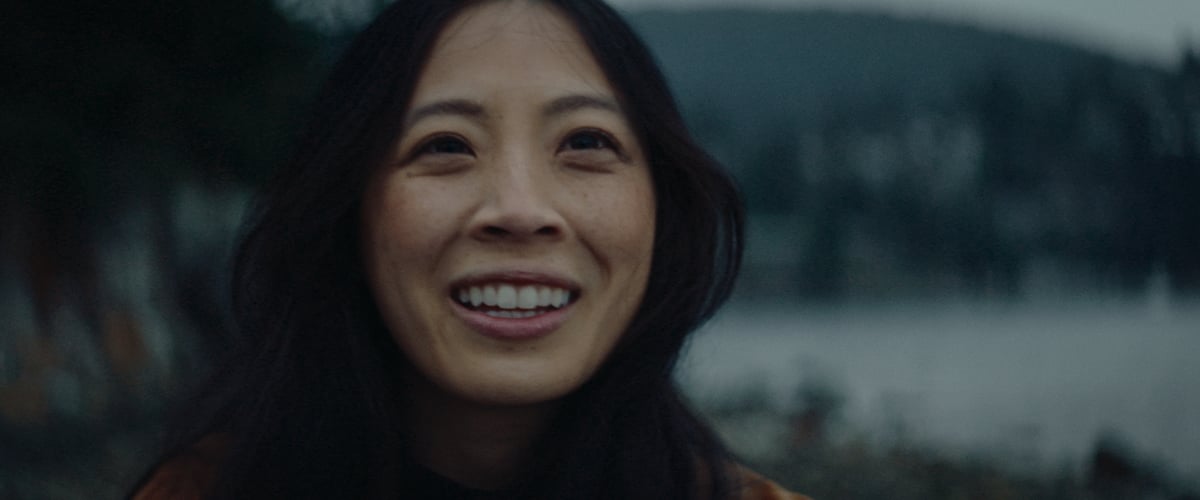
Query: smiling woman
[(474, 278), (516, 174)]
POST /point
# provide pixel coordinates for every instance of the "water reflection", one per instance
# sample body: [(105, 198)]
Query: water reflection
[(1034, 389)]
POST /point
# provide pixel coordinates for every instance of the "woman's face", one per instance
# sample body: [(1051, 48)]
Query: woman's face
[(508, 240)]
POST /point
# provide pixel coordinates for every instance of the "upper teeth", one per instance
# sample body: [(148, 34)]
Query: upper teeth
[(514, 297)]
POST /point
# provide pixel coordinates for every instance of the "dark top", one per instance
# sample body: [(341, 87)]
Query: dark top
[(420, 482), (188, 475)]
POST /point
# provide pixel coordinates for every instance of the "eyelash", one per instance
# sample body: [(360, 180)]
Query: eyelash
[(428, 146), (603, 140)]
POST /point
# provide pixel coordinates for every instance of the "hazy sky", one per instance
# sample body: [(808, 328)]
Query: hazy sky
[(1145, 30)]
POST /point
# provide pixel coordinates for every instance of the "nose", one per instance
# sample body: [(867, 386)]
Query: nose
[(518, 206)]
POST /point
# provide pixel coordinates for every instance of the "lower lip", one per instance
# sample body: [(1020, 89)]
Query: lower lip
[(512, 328)]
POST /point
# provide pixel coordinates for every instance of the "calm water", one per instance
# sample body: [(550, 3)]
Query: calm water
[(1029, 385)]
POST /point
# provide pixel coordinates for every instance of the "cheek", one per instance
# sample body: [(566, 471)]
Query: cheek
[(615, 221), (409, 226), (405, 236), (627, 219)]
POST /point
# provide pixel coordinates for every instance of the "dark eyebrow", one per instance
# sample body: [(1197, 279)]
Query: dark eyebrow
[(574, 102), (474, 110), (460, 107)]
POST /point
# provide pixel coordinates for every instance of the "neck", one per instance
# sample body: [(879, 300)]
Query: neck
[(479, 446)]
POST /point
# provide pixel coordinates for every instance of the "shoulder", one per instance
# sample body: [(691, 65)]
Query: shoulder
[(753, 486), (187, 475)]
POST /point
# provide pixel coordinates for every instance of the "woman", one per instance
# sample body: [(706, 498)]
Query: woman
[(475, 276)]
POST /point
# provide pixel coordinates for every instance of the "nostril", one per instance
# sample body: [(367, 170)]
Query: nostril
[(494, 231)]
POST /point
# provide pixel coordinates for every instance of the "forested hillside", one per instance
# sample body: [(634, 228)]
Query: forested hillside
[(888, 157)]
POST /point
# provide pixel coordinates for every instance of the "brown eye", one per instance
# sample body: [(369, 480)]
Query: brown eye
[(587, 139), (445, 145)]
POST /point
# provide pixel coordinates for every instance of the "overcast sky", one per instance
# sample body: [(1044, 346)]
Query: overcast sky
[(1141, 30)]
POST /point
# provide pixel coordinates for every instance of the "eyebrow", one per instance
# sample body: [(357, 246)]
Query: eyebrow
[(475, 111), (575, 102), (456, 107)]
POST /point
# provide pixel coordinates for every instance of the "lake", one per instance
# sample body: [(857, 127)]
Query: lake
[(1027, 385)]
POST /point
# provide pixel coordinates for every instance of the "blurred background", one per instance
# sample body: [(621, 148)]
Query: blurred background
[(974, 247)]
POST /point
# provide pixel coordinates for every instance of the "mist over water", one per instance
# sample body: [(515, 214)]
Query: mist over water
[(1031, 386)]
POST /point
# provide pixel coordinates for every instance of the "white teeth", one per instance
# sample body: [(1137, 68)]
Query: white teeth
[(527, 297), (511, 314), (510, 297), (489, 295), (506, 297)]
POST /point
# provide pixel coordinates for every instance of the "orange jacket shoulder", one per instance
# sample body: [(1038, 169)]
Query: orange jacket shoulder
[(755, 487), (186, 476)]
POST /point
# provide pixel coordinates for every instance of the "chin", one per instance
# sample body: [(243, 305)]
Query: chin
[(515, 387)]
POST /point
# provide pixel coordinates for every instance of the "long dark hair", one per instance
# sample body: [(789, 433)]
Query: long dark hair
[(309, 395)]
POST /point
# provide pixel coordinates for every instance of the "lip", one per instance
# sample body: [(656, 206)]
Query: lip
[(516, 278), (512, 329)]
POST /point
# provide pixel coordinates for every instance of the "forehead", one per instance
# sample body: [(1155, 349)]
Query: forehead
[(535, 22), (510, 43)]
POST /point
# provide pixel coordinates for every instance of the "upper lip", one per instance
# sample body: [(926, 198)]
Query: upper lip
[(515, 277)]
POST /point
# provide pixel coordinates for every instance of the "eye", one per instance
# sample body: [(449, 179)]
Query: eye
[(445, 145), (587, 140)]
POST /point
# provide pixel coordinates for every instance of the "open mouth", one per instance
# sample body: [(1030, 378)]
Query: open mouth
[(503, 300)]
